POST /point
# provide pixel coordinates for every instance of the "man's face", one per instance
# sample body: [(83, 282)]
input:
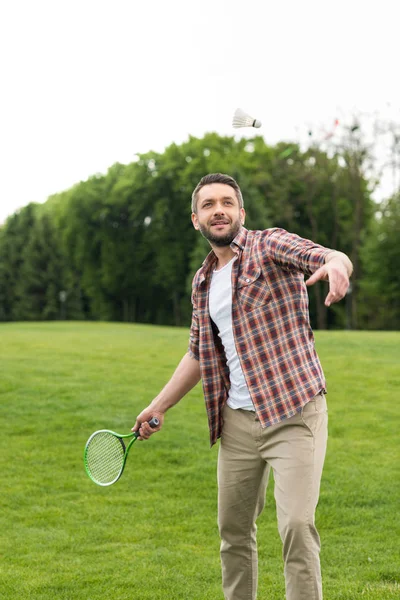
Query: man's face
[(218, 216)]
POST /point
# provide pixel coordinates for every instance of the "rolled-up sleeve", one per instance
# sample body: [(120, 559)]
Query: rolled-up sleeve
[(293, 252)]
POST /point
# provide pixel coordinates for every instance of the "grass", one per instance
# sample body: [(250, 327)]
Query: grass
[(153, 535)]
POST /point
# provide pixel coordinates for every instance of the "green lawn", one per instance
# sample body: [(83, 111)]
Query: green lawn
[(153, 535)]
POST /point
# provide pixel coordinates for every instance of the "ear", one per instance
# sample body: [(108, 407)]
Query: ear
[(242, 215), (195, 221)]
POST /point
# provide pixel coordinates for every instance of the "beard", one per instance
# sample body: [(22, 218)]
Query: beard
[(221, 240)]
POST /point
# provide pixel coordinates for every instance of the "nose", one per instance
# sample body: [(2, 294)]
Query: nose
[(219, 209)]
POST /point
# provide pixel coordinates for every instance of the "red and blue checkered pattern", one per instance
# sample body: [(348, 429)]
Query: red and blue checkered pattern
[(271, 326)]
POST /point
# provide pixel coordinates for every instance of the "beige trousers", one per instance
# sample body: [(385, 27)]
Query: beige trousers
[(295, 450)]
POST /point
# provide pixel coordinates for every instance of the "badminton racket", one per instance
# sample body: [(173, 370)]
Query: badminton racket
[(106, 452)]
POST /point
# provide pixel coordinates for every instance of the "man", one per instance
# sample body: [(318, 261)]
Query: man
[(252, 345)]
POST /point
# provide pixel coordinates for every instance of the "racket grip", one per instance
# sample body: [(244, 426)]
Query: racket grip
[(154, 422)]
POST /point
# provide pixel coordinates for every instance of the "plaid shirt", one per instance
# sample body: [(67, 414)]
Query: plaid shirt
[(271, 327)]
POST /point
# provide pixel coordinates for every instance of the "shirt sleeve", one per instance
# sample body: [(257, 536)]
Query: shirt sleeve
[(194, 331), (293, 252)]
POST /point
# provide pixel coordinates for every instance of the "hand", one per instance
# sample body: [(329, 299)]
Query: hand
[(336, 273), (142, 423)]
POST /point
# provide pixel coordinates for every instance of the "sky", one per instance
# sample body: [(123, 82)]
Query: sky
[(85, 84)]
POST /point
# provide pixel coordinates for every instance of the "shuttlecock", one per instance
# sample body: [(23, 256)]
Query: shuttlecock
[(242, 119)]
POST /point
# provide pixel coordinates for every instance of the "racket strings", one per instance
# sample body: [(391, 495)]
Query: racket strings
[(105, 457)]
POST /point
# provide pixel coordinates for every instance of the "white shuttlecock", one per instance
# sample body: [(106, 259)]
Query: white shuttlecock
[(242, 119)]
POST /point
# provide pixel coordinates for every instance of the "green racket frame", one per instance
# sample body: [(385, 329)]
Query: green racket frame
[(154, 422)]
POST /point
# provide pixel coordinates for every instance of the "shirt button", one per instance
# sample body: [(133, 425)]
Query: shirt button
[(247, 280)]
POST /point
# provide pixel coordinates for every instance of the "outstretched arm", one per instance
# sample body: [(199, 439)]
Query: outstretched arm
[(185, 377), (337, 270)]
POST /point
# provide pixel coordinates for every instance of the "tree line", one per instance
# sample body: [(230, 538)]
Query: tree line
[(121, 247)]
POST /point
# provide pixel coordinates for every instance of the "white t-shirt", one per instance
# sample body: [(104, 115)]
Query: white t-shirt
[(220, 303)]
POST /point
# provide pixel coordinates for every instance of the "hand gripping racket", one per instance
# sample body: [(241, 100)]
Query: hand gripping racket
[(105, 454)]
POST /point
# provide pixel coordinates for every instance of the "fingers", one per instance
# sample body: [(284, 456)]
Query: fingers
[(335, 295), (145, 431), (332, 298), (338, 281), (338, 286), (320, 273), (142, 425)]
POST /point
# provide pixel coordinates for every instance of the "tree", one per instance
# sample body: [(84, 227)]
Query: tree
[(41, 274), (380, 258), (15, 235), (121, 246)]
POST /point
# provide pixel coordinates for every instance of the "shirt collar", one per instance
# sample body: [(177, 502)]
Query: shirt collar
[(240, 239)]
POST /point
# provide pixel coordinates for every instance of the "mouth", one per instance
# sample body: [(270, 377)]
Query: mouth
[(219, 223)]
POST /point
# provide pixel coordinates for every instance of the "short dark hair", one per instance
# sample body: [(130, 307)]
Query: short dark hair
[(216, 178)]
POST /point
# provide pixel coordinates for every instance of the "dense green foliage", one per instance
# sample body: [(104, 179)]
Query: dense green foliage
[(121, 246), (154, 534)]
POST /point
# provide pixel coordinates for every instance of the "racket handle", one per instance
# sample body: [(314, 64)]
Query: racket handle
[(154, 422)]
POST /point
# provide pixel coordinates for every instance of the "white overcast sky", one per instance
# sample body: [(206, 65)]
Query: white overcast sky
[(87, 83)]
